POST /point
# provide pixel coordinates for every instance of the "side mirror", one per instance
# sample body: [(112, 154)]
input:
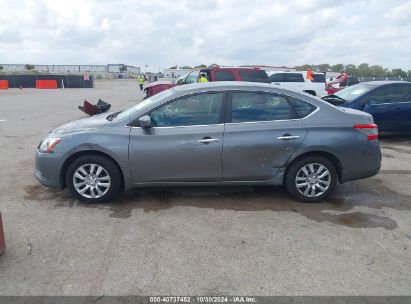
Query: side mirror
[(180, 81), (145, 121)]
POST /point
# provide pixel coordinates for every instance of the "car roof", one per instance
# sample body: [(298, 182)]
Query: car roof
[(232, 69), (198, 87), (293, 72), (383, 82), (220, 85)]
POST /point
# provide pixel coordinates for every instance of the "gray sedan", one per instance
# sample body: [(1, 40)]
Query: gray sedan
[(222, 133)]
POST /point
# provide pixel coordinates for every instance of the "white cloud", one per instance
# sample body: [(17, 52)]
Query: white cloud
[(165, 33)]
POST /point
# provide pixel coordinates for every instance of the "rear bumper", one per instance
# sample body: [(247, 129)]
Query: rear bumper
[(363, 164), (47, 170)]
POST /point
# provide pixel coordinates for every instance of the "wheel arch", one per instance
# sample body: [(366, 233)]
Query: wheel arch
[(78, 154), (311, 92), (334, 160)]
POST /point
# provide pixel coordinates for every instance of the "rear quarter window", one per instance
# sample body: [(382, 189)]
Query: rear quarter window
[(254, 76), (302, 108), (224, 76)]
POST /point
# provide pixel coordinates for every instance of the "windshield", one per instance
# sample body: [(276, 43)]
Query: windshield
[(351, 93), (145, 103)]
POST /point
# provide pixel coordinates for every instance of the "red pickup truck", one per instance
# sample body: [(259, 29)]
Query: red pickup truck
[(213, 74)]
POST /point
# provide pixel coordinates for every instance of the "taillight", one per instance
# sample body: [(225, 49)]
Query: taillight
[(371, 130)]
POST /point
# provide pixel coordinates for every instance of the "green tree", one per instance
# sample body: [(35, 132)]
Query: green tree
[(364, 70), (377, 70), (29, 67), (351, 69), (398, 73), (201, 66), (1, 67), (122, 69), (305, 67), (324, 67), (173, 67), (186, 67), (214, 65), (338, 68)]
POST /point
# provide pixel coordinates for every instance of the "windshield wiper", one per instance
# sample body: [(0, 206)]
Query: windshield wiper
[(332, 96), (113, 115)]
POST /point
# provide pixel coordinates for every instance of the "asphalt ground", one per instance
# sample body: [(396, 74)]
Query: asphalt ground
[(193, 241)]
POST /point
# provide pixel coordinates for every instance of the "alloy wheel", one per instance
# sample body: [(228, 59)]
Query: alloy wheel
[(313, 180), (91, 181)]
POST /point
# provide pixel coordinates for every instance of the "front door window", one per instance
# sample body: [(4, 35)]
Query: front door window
[(200, 109)]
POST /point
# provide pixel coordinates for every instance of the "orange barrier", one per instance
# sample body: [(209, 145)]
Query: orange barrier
[(2, 241), (4, 84), (46, 84)]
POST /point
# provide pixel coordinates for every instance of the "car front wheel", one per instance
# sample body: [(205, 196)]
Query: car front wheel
[(93, 179), (311, 179)]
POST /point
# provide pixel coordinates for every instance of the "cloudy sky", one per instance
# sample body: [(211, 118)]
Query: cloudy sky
[(229, 32)]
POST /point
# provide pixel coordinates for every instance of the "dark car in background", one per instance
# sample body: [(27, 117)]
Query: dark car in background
[(212, 74), (389, 102)]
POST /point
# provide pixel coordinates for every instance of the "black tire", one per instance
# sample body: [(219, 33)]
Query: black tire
[(297, 168), (110, 169)]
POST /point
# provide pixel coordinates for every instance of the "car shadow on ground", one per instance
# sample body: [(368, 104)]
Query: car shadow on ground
[(370, 193)]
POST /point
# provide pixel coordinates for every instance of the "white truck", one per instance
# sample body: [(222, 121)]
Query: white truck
[(298, 81)]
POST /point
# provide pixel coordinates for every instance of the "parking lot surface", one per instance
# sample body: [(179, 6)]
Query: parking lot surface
[(192, 241)]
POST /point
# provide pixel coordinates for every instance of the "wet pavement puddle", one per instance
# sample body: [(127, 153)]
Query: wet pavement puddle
[(336, 209)]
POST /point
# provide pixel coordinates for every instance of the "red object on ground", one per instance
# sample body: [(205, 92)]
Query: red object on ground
[(89, 108), (4, 84), (46, 84), (2, 241)]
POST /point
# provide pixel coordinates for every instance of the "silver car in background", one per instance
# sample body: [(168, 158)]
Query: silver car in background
[(221, 133)]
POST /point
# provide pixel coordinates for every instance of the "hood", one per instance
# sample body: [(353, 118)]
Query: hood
[(154, 83), (83, 125)]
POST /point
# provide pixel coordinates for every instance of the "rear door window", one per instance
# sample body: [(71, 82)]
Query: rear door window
[(388, 94), (224, 76), (294, 77), (254, 75), (318, 78), (252, 107), (278, 77)]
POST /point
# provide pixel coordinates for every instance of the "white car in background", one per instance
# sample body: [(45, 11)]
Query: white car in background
[(298, 81)]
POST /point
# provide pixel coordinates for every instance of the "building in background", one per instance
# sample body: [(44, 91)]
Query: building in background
[(175, 73), (74, 69)]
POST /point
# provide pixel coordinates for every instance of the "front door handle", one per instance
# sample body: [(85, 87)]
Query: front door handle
[(288, 137), (208, 140)]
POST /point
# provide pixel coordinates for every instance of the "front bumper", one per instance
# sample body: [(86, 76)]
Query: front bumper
[(48, 168)]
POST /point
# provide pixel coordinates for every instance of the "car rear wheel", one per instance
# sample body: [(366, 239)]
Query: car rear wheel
[(93, 179), (311, 179)]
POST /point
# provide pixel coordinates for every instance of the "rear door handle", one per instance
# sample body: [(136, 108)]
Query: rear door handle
[(208, 140), (288, 137)]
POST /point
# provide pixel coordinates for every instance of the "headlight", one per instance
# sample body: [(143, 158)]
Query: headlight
[(48, 144)]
